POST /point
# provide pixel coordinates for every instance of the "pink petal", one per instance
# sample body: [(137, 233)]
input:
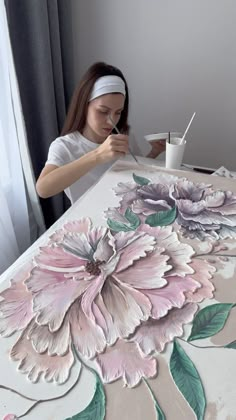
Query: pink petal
[(124, 360), (203, 274), (148, 206), (79, 226), (147, 273), (105, 248), (127, 307), (57, 236), (43, 340), (93, 289), (78, 245), (87, 337), (57, 257), (125, 187), (10, 417), (155, 334), (114, 213), (179, 253), (53, 296), (95, 235), (135, 248), (128, 192), (104, 319), (173, 295), (52, 368), (16, 308)]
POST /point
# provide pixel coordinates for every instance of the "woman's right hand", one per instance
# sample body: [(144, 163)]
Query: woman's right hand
[(114, 147)]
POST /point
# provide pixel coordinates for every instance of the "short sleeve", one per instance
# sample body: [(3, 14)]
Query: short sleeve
[(58, 154)]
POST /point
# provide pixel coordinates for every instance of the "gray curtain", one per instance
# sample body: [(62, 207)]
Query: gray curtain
[(35, 33)]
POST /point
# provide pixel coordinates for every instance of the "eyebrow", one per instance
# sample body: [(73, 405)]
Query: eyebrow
[(110, 109)]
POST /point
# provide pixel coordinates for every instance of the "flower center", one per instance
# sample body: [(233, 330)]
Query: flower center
[(92, 267)]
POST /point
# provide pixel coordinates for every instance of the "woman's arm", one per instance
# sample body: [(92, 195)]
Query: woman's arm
[(158, 147), (54, 179)]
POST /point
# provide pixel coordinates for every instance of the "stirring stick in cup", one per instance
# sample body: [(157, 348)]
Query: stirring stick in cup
[(190, 122)]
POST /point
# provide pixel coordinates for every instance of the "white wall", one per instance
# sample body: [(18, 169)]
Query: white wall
[(179, 56)]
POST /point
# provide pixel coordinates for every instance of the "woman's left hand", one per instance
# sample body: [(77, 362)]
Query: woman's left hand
[(158, 146)]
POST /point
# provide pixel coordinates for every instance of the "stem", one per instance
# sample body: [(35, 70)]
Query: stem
[(201, 347), (54, 398), (16, 392), (159, 411), (82, 361), (36, 402)]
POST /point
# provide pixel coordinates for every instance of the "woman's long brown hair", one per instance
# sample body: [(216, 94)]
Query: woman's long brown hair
[(77, 113)]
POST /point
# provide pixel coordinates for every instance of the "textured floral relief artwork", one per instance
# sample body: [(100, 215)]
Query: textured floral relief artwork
[(197, 208), (114, 298)]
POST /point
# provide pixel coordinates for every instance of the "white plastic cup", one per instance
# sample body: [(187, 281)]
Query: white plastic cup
[(175, 153)]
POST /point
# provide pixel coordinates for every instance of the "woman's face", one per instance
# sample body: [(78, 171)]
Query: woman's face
[(98, 125)]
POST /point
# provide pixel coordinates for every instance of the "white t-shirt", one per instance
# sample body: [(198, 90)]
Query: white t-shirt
[(72, 146)]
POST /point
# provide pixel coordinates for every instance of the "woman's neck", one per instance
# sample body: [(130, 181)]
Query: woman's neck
[(92, 136)]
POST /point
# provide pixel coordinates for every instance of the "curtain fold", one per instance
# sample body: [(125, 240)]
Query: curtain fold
[(34, 28), (16, 220)]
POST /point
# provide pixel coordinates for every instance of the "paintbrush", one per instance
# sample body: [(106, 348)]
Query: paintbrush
[(118, 132)]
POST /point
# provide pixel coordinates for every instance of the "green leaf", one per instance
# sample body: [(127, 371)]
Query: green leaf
[(118, 226), (133, 222), (210, 320), (231, 345), (159, 412), (97, 407), (188, 381), (162, 218), (140, 180), (132, 218)]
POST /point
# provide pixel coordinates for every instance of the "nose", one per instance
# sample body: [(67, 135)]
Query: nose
[(110, 120)]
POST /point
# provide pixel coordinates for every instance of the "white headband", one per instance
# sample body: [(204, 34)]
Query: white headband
[(107, 84)]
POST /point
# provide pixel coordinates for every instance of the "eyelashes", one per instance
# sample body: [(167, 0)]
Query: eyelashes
[(108, 112)]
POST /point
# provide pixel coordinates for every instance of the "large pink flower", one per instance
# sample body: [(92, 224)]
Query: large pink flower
[(90, 292)]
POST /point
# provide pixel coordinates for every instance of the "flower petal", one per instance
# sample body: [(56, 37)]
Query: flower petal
[(57, 257), (148, 206), (147, 273), (87, 337), (95, 235), (104, 319), (52, 296), (77, 244), (16, 309), (53, 368), (155, 334), (43, 340), (124, 360), (79, 226), (137, 246), (173, 295), (93, 289), (127, 306), (203, 273), (188, 190), (114, 213), (105, 248), (179, 253)]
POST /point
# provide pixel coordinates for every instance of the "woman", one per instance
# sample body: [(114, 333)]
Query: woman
[(88, 145)]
